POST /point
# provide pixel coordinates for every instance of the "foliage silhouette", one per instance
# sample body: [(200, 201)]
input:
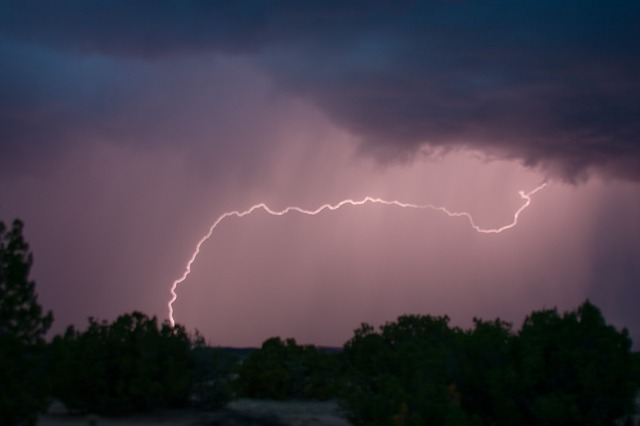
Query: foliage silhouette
[(403, 374), (212, 374), (570, 369), (22, 328), (574, 368), (284, 370), (485, 372), (130, 365)]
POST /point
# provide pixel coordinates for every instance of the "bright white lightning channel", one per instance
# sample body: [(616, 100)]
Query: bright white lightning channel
[(526, 196)]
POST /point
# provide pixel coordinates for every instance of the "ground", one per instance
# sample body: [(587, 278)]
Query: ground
[(242, 412)]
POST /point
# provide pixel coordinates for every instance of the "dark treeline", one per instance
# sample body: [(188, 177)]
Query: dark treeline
[(558, 369), (570, 369)]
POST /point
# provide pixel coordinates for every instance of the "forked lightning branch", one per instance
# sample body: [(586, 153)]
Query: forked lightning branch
[(526, 196)]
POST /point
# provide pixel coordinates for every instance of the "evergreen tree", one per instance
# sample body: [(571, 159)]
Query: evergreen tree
[(22, 328)]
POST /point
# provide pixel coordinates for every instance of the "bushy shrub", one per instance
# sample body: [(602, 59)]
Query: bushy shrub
[(285, 370)]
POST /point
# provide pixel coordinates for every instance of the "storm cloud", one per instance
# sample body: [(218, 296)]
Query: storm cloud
[(553, 85), (128, 127)]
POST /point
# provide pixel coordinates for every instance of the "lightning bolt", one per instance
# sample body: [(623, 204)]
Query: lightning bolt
[(526, 196)]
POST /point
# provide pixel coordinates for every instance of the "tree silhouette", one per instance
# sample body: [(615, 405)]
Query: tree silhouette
[(129, 365), (574, 368), (570, 369), (485, 375), (22, 328), (284, 370), (404, 373), (212, 373)]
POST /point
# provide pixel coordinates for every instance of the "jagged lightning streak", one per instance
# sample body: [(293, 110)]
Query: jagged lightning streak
[(526, 196)]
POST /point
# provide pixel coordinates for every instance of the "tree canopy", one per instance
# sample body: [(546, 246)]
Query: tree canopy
[(569, 369)]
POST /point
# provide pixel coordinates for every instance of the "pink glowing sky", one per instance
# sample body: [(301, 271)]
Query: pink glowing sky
[(122, 140)]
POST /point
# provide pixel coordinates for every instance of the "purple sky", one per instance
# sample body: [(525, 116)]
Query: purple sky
[(127, 128)]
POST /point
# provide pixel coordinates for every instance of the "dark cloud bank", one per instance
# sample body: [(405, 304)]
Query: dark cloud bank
[(552, 84)]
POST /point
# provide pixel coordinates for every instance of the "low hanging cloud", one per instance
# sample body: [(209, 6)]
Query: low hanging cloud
[(553, 85)]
